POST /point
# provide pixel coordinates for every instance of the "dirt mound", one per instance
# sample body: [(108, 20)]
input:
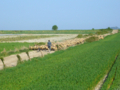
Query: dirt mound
[(23, 56), (10, 61)]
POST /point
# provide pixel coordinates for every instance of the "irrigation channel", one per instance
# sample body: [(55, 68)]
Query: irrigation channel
[(102, 81)]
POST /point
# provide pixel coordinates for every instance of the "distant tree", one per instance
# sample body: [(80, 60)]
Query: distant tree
[(54, 27), (93, 29), (108, 28)]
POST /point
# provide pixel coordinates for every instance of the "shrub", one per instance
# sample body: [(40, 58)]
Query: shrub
[(79, 36), (92, 39), (90, 34)]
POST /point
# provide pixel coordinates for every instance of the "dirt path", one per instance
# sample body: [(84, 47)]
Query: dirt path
[(100, 83)]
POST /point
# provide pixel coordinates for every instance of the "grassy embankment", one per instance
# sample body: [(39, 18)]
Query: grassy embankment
[(47, 31), (64, 70)]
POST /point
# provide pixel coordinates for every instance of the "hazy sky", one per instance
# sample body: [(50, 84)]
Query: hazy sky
[(66, 14)]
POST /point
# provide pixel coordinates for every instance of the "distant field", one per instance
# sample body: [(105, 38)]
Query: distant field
[(77, 68), (12, 46), (47, 31), (18, 38), (7, 49)]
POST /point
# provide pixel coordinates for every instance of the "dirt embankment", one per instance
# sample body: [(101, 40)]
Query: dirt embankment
[(11, 61)]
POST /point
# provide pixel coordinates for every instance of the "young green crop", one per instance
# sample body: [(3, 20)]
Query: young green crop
[(77, 68), (13, 48), (13, 45), (116, 83), (113, 80)]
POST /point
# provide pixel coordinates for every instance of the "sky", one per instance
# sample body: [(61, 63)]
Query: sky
[(66, 14)]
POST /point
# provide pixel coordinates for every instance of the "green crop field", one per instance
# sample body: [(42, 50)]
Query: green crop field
[(12, 46), (113, 79), (77, 68), (47, 31)]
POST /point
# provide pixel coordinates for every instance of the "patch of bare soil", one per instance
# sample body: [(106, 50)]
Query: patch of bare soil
[(114, 31), (60, 37)]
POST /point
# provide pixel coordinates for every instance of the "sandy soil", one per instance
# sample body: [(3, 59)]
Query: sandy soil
[(114, 31), (60, 37), (10, 61), (100, 83), (17, 35)]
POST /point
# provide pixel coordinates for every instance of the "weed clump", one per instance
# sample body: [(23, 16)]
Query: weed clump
[(28, 55), (23, 49), (4, 52), (2, 59), (16, 50), (11, 52), (19, 59)]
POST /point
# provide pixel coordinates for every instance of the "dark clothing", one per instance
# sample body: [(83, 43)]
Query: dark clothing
[(39, 49), (49, 45)]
